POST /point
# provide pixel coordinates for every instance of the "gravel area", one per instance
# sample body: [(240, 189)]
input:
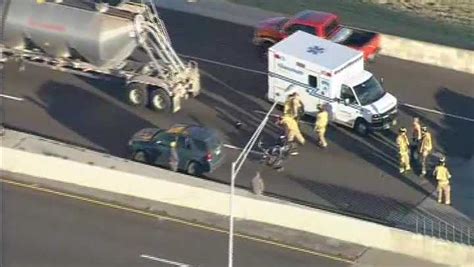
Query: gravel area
[(452, 11)]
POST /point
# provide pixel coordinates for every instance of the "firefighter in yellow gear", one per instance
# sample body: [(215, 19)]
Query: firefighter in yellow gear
[(322, 120), (292, 132), (403, 150), (442, 175), (426, 145), (293, 106)]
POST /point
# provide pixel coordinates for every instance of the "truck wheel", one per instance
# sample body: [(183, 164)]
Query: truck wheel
[(194, 168), (137, 94), (160, 100), (361, 127)]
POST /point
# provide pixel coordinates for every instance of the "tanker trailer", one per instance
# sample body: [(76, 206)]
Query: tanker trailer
[(97, 38)]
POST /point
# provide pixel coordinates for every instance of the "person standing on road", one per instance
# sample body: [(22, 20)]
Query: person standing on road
[(426, 145), (174, 159), (442, 175), (403, 150), (320, 126), (292, 131), (293, 107), (416, 137), (257, 184)]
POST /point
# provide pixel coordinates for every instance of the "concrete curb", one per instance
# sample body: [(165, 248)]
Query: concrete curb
[(393, 46), (428, 53), (202, 195)]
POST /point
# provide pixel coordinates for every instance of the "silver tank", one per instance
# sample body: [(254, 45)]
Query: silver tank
[(73, 29)]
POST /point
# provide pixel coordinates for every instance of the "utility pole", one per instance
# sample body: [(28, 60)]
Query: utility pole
[(236, 166)]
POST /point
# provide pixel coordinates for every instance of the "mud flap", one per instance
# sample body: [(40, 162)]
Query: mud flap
[(176, 103)]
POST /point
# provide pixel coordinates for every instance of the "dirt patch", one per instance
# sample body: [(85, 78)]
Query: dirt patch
[(452, 11)]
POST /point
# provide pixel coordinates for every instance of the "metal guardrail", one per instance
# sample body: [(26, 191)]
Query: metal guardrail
[(441, 229)]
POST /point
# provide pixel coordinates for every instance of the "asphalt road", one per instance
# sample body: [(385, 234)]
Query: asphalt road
[(42, 229), (353, 174)]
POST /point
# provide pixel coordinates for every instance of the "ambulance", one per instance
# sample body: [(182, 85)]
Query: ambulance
[(324, 72)]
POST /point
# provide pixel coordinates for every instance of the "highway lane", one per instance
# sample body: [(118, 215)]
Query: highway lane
[(423, 85), (41, 229), (354, 174)]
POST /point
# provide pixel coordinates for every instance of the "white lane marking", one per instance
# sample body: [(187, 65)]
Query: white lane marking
[(239, 148), (164, 261), (224, 64), (11, 97), (265, 73), (275, 115), (438, 112)]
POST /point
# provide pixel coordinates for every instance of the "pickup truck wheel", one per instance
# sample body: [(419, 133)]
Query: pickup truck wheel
[(140, 156), (263, 50), (371, 58), (361, 127), (136, 94), (160, 100), (194, 168)]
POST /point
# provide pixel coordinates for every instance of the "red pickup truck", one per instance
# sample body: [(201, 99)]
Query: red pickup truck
[(322, 24)]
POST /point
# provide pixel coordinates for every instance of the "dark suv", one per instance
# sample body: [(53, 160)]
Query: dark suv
[(199, 148)]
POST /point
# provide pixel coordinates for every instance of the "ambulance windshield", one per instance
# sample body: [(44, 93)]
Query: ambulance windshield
[(369, 91)]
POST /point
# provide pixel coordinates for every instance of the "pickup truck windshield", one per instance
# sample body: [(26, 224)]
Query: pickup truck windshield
[(369, 91)]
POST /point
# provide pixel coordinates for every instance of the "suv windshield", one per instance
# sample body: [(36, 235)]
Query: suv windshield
[(213, 142), (369, 91)]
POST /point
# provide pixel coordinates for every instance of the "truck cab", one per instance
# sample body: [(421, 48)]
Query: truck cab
[(322, 24), (323, 72)]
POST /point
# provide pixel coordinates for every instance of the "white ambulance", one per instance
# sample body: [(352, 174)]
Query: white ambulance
[(323, 72)]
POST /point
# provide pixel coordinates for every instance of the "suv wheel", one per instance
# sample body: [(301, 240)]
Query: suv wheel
[(194, 168), (140, 156)]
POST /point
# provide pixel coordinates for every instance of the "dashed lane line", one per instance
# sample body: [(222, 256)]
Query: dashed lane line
[(224, 64), (11, 97), (265, 73), (438, 112), (174, 263), (239, 148)]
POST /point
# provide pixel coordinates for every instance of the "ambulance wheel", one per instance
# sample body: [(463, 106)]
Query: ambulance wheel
[(137, 94), (361, 127), (160, 100)]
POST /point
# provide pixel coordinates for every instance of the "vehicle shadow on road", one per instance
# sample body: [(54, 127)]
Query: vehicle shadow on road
[(452, 137), (217, 41), (90, 116), (451, 129), (456, 140), (378, 149), (233, 102)]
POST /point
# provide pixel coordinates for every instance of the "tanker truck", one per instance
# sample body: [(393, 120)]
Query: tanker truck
[(94, 38)]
